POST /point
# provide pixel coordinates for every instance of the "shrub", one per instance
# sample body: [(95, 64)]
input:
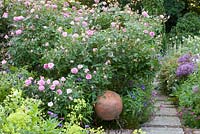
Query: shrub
[(189, 24), (12, 79), (114, 48), (188, 97)]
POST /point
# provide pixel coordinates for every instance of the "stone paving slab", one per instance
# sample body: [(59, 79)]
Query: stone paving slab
[(162, 130), (161, 98), (163, 103), (164, 121), (166, 112), (124, 131)]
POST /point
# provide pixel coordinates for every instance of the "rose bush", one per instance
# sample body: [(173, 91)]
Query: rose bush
[(76, 52)]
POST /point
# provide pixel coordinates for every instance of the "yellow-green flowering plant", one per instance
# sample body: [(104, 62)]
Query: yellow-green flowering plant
[(138, 131)]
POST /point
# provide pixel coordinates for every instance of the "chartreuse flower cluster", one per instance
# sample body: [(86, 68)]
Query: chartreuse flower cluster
[(138, 131)]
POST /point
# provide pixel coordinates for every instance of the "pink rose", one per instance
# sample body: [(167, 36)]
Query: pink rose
[(3, 62), (45, 66), (88, 76), (74, 70), (84, 23), (41, 82), (41, 88), (96, 1), (145, 14), (152, 34), (52, 87), (146, 31), (56, 82), (50, 65), (28, 82), (18, 18), (5, 15), (64, 34), (6, 37), (90, 32), (59, 91), (18, 32), (63, 79)]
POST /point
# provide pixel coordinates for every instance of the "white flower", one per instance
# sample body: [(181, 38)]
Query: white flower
[(50, 104), (70, 98), (80, 66), (69, 91), (63, 79)]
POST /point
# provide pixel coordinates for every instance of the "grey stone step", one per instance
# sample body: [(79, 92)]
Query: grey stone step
[(164, 121), (123, 131), (166, 112), (161, 98), (158, 103), (162, 130)]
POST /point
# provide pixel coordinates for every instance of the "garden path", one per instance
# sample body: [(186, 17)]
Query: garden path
[(164, 120)]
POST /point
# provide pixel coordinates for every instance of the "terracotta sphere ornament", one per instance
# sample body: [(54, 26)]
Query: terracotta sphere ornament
[(109, 106)]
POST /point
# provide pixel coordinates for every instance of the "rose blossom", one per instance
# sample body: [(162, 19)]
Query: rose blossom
[(80, 66), (41, 82), (63, 79), (41, 88), (52, 87), (152, 34), (59, 91), (88, 76), (90, 32), (45, 66), (74, 70), (64, 34), (18, 32), (145, 14), (3, 62), (84, 23), (5, 15), (28, 82), (146, 31), (86, 70), (18, 18), (56, 82), (50, 65)]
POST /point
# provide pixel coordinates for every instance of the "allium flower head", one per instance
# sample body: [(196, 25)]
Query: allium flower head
[(185, 69), (184, 58)]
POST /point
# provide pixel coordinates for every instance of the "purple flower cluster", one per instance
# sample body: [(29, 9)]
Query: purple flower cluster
[(185, 69), (185, 58), (186, 65)]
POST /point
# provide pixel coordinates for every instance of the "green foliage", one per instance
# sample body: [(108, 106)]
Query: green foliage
[(189, 24), (167, 74), (136, 107), (154, 7), (22, 116), (188, 95), (14, 78)]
